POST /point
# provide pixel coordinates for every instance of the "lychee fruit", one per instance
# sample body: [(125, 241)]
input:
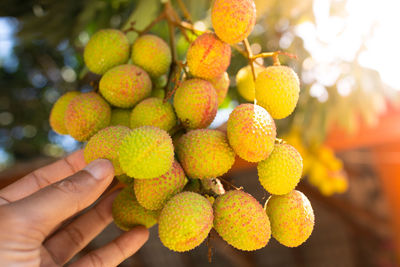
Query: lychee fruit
[(205, 153), (153, 112), (245, 81), (281, 171), (105, 144), (251, 132), (146, 152), (291, 217), (152, 54), (208, 57), (86, 114), (153, 193), (106, 49), (185, 221), (196, 103), (221, 86), (277, 90), (57, 114), (128, 213), (233, 20), (125, 85), (241, 220)]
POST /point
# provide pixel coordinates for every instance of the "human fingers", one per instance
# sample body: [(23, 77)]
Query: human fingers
[(43, 177), (116, 251), (68, 241), (53, 204)]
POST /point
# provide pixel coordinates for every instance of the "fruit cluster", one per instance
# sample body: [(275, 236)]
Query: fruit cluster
[(172, 180), (322, 168)]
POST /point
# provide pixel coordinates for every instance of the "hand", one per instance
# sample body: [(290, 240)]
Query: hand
[(33, 208)]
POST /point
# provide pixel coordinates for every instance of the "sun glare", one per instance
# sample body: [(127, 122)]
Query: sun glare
[(366, 31)]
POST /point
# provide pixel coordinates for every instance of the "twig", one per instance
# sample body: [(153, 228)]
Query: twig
[(230, 184), (148, 28), (185, 11), (250, 57)]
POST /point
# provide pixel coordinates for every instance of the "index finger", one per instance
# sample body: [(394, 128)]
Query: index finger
[(43, 177)]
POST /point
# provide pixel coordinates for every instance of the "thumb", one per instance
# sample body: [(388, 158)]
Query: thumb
[(55, 203)]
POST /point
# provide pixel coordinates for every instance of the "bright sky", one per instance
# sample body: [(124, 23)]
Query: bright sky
[(333, 39)]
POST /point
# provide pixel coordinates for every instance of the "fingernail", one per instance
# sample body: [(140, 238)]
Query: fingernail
[(100, 168)]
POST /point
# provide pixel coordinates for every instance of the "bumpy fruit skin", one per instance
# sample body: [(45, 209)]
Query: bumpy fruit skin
[(196, 103), (128, 213), (57, 114), (153, 112), (233, 20), (221, 86), (153, 193), (125, 179), (291, 217), (245, 81), (104, 145), (241, 221), (121, 117), (251, 132), (146, 152), (208, 57), (185, 221), (281, 171), (86, 114), (277, 90), (205, 153), (125, 85), (106, 49), (151, 53)]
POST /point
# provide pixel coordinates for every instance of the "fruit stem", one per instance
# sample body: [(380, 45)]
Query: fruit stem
[(250, 57), (175, 69), (185, 11), (274, 56), (210, 247), (230, 184), (214, 185)]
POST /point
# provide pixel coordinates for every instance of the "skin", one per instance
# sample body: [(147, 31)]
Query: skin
[(33, 209)]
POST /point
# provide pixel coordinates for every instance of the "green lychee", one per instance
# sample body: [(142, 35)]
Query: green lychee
[(146, 152), (292, 218), (245, 81), (281, 171), (106, 49), (277, 90), (128, 213), (153, 112)]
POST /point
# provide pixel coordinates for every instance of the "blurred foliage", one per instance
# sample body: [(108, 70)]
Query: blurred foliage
[(47, 61)]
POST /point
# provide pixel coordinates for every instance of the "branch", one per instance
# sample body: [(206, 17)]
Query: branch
[(185, 11)]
